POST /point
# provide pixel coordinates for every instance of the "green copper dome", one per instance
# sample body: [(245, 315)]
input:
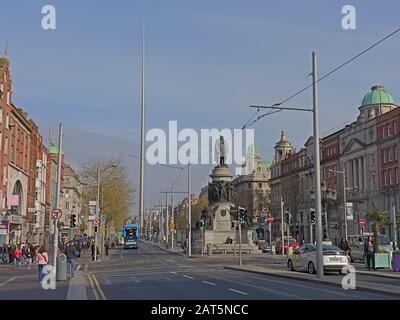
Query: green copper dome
[(53, 149), (377, 95)]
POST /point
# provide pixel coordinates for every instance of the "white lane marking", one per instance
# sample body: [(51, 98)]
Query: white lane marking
[(166, 278), (210, 283), (173, 272), (185, 276), (135, 279), (237, 291), (184, 266), (77, 269), (314, 286), (107, 281), (281, 293), (7, 281), (122, 251)]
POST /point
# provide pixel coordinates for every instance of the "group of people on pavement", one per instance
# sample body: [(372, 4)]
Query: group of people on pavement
[(18, 255)]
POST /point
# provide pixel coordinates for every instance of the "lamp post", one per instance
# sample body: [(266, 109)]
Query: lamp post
[(343, 172), (98, 211)]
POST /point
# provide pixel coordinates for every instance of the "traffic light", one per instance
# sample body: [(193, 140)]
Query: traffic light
[(287, 217), (72, 222), (312, 216), (95, 229), (233, 225), (242, 214)]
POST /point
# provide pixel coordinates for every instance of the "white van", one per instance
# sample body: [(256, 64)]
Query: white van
[(357, 242)]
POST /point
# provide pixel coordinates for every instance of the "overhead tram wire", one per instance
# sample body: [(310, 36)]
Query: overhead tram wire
[(324, 76)]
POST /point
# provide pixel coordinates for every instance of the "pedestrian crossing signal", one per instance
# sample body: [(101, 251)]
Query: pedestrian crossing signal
[(72, 222)]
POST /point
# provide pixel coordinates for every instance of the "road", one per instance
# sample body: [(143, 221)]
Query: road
[(150, 273)]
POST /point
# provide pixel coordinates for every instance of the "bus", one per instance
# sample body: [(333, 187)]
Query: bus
[(130, 234)]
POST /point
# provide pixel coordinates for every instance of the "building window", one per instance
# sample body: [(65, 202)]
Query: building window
[(67, 205), (1, 91), (260, 185), (384, 155), (8, 97)]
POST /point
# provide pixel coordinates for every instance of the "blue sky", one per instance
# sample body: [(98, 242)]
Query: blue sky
[(206, 62)]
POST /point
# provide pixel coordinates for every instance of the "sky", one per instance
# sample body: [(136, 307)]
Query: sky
[(206, 62)]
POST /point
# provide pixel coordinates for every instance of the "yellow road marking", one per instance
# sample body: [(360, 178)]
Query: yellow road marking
[(103, 296), (93, 288)]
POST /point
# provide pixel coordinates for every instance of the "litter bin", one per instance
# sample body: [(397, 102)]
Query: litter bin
[(209, 249), (61, 267)]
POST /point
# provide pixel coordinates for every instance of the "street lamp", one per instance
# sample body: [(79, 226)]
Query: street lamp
[(113, 165), (343, 172)]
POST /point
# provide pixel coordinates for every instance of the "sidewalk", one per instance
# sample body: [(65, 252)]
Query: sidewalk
[(335, 281)]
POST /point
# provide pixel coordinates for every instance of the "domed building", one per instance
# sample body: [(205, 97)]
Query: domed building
[(376, 102)]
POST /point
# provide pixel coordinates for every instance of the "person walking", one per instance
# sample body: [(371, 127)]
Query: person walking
[(42, 259), (71, 254), (369, 251), (17, 254), (29, 256), (92, 248), (107, 246), (344, 245)]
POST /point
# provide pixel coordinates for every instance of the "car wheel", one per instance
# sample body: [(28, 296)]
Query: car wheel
[(311, 268), (290, 265)]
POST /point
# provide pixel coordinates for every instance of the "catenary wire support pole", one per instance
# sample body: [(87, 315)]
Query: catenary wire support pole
[(97, 214), (189, 213), (317, 170), (141, 182), (317, 173), (58, 189), (282, 231)]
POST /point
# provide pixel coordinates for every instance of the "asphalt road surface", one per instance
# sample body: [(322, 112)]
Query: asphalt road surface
[(150, 273)]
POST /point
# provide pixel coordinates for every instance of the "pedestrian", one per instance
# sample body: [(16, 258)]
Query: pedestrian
[(42, 259), (107, 246), (17, 254), (93, 248), (71, 253), (33, 252), (29, 256), (344, 245), (369, 251)]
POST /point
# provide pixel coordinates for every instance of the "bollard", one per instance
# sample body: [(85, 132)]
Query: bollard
[(61, 267), (209, 249)]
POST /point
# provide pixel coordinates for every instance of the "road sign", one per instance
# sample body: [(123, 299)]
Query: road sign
[(270, 219), (56, 214), (96, 221), (362, 222)]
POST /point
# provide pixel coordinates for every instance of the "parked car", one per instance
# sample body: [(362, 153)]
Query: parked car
[(357, 242), (334, 259), (292, 243), (264, 247)]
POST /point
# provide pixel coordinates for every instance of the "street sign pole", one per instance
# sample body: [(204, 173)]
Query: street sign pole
[(57, 204), (240, 242), (270, 236)]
